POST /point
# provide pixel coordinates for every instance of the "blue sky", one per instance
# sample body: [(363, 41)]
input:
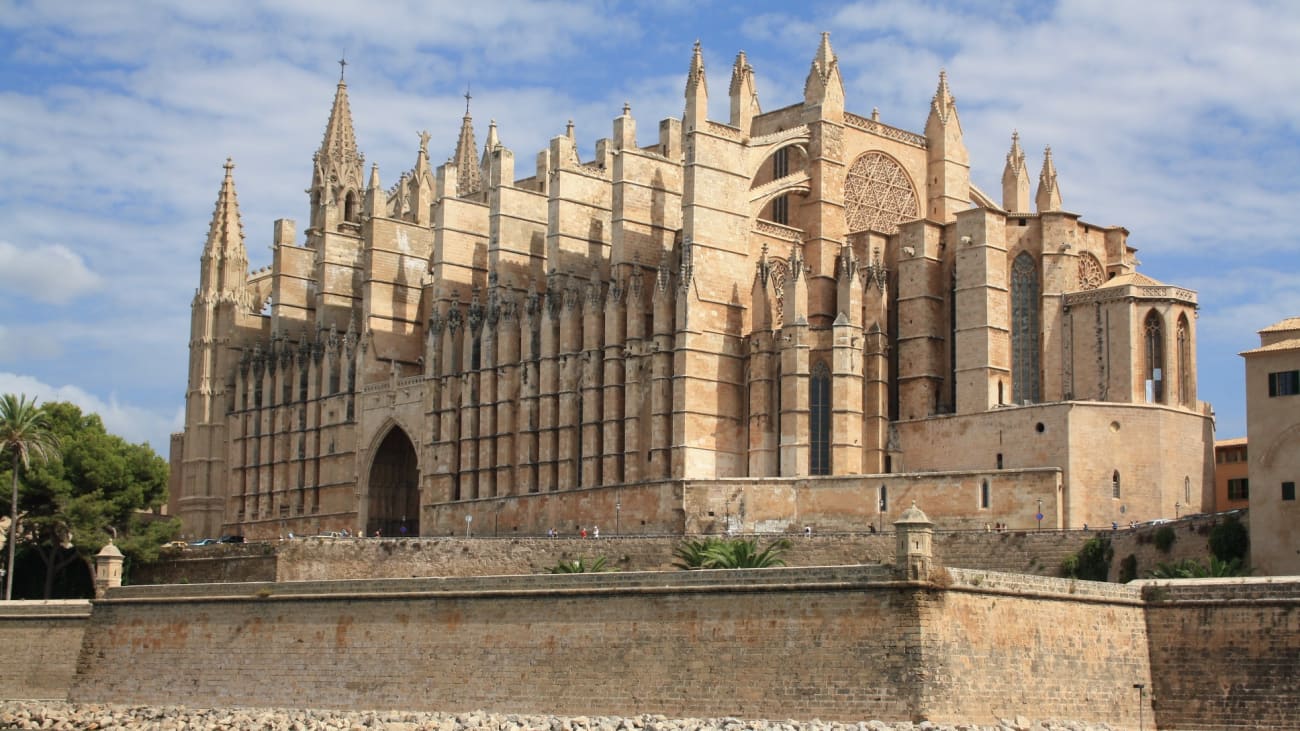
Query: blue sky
[(1177, 120)]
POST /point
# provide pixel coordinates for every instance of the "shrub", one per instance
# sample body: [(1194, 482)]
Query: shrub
[(1092, 562), (735, 553), (1229, 540), (580, 566), (1165, 537), (1128, 569)]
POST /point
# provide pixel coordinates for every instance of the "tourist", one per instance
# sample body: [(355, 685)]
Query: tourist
[(595, 531)]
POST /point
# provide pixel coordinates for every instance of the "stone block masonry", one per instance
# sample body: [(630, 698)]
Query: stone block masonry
[(843, 643), (41, 640)]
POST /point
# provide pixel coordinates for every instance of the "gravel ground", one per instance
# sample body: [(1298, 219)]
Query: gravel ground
[(57, 715)]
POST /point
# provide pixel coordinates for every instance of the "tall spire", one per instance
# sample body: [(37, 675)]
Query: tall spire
[(467, 177), (1015, 178), (225, 261), (824, 85), (697, 91), (947, 160), (943, 105), (339, 145), (1049, 194)]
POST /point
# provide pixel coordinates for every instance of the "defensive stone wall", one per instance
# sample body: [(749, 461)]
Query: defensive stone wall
[(41, 640), (1226, 652), (844, 643), (226, 562)]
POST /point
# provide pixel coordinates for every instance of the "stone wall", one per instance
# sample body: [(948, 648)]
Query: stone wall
[(41, 640), (1029, 552), (843, 643), (1225, 652)]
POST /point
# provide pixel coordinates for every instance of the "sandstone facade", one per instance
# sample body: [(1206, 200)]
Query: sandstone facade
[(1273, 428), (714, 318)]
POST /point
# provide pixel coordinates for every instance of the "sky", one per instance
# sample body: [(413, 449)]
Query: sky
[(1177, 120)]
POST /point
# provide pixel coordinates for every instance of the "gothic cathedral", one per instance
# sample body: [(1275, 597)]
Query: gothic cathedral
[(798, 317)]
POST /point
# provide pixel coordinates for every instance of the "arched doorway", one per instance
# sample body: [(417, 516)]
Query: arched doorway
[(394, 488)]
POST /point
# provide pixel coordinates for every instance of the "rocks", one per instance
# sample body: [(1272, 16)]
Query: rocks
[(56, 715)]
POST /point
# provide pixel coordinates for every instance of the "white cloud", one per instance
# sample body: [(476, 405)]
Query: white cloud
[(51, 273), (133, 423)]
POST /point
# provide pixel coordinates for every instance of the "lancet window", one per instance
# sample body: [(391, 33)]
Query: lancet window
[(1024, 329), (820, 417), (1153, 336), (1184, 362)]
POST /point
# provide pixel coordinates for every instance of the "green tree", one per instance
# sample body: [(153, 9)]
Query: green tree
[(1092, 562), (1229, 540), (95, 487), (24, 431)]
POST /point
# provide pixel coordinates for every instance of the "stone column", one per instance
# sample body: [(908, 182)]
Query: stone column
[(612, 409), (593, 335)]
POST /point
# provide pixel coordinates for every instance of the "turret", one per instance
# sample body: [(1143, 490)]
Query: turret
[(1049, 194), (697, 93), (744, 95), (337, 183), (225, 261), (948, 162), (824, 87), (1015, 179)]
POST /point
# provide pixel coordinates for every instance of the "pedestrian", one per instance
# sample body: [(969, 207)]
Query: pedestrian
[(595, 531), (1085, 526), (807, 531), (378, 534), (583, 533)]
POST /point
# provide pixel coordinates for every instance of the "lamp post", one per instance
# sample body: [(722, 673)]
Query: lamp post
[(618, 514), (1177, 507), (1039, 515), (881, 505), (468, 520)]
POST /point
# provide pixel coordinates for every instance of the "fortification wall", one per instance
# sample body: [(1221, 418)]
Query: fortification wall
[(1003, 645), (41, 640), (838, 643), (1226, 652)]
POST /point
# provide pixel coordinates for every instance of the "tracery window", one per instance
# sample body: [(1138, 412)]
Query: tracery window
[(878, 195), (1185, 389), (820, 417), (1024, 329), (1091, 275), (1153, 335)]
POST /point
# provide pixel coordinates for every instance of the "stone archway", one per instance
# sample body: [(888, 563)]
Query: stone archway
[(394, 488)]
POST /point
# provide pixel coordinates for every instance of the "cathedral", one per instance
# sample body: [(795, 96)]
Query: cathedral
[(794, 317)]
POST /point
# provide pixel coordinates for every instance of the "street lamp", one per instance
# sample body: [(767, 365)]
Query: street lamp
[(618, 512), (1039, 515), (468, 520), (1177, 506)]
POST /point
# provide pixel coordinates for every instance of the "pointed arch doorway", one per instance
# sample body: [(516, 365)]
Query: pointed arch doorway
[(394, 488)]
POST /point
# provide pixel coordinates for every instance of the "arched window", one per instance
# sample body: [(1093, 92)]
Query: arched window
[(1187, 491), (820, 405), (1153, 334), (1185, 388), (1024, 329), (350, 208), (1114, 484)]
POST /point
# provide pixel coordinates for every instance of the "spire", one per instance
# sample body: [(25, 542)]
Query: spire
[(339, 145), (947, 160), (467, 177), (744, 94), (697, 92), (824, 85), (225, 261), (1049, 195), (943, 105), (1015, 179)]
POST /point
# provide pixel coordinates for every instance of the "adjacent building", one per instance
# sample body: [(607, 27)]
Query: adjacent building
[(1273, 428), (1231, 475), (799, 315)]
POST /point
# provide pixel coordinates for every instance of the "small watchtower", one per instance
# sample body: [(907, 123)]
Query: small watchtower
[(108, 569), (913, 553)]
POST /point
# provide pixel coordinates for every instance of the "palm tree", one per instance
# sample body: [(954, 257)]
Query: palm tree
[(744, 554), (581, 566), (25, 430), (692, 555)]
